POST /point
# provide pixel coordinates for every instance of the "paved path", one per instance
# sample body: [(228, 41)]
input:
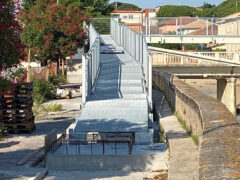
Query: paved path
[(15, 147), (118, 102), (183, 152)]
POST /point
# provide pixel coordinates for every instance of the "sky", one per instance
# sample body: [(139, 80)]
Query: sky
[(155, 3)]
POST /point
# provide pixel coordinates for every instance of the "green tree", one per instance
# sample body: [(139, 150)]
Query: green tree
[(93, 7), (126, 6), (53, 31), (11, 48), (207, 5), (28, 4), (226, 8), (176, 11)]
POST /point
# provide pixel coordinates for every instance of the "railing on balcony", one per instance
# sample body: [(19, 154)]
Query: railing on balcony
[(220, 55), (134, 44), (162, 56)]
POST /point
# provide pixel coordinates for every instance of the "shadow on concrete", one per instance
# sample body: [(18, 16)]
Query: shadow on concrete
[(8, 144), (176, 135), (8, 168), (108, 82), (220, 127), (15, 153), (107, 125), (44, 127)]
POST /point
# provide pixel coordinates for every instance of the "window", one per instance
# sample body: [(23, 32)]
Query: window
[(125, 17), (130, 16), (116, 16)]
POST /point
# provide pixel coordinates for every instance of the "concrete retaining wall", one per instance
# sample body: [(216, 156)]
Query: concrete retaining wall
[(104, 162), (216, 128)]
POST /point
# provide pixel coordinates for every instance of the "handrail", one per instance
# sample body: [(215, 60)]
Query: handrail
[(135, 45), (90, 64), (194, 56), (191, 26)]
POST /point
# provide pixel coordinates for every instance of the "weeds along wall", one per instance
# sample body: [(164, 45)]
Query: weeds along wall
[(210, 121)]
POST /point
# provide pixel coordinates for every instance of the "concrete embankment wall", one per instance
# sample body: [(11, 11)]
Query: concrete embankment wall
[(217, 130)]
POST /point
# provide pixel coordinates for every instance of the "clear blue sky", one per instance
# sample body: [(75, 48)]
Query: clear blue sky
[(154, 3)]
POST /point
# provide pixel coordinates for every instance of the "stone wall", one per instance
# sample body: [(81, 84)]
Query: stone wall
[(216, 128)]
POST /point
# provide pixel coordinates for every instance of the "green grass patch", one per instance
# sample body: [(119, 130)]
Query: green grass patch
[(52, 108), (184, 125), (161, 135), (38, 109)]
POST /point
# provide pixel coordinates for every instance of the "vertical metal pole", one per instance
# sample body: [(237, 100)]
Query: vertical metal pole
[(181, 26), (149, 27), (150, 82), (212, 26), (103, 147), (146, 26), (207, 27), (84, 76), (237, 26), (176, 26)]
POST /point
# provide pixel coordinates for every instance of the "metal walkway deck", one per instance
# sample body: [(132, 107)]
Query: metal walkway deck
[(118, 102)]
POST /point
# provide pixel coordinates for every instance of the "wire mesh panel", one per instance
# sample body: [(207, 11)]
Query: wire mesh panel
[(102, 25), (135, 44), (90, 64)]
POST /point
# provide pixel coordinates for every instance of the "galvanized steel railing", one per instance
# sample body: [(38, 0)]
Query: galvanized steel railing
[(134, 44), (191, 26), (90, 64)]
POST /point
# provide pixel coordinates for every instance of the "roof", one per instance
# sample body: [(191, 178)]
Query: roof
[(150, 10), (198, 24), (185, 20), (233, 15), (125, 11), (203, 31)]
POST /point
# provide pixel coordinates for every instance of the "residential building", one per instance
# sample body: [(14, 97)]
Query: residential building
[(170, 25), (230, 25), (201, 26), (135, 19)]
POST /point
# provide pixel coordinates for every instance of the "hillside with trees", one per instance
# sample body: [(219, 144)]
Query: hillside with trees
[(226, 8), (206, 10), (175, 11), (124, 6)]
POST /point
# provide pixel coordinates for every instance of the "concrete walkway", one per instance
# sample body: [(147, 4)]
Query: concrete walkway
[(183, 152), (118, 102)]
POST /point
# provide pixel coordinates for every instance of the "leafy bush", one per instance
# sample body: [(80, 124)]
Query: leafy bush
[(3, 130), (57, 80), (52, 108), (42, 91)]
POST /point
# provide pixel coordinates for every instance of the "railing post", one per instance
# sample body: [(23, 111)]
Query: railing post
[(164, 59), (146, 26), (150, 81), (181, 59), (181, 26), (236, 57), (212, 27), (206, 27), (84, 77), (149, 28), (237, 26)]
